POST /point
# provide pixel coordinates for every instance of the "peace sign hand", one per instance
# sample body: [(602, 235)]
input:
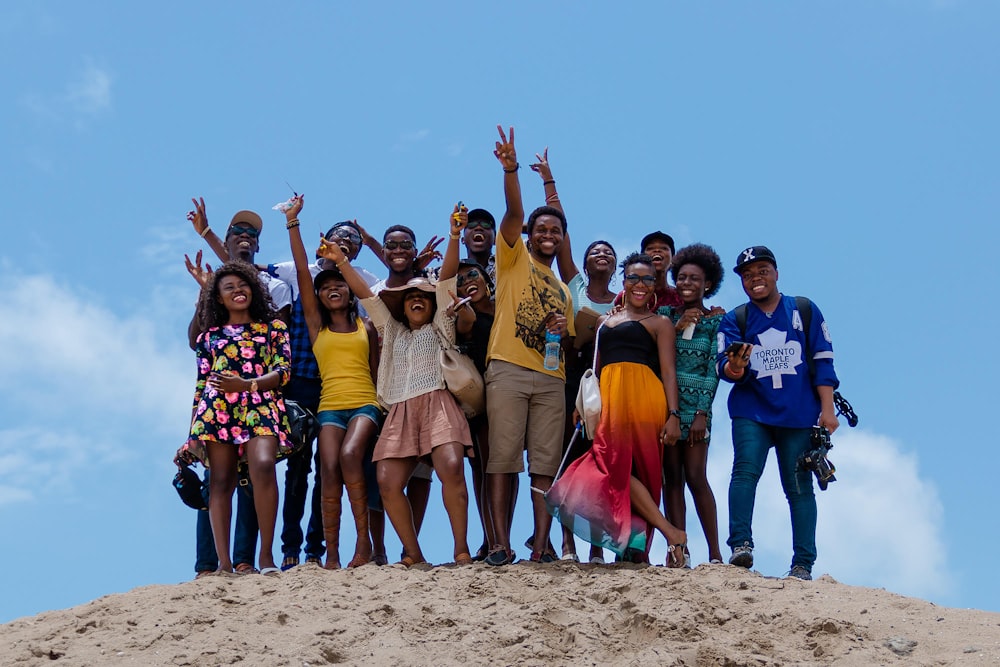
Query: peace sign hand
[(505, 152), (542, 166)]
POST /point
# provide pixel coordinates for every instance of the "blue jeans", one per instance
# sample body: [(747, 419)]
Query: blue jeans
[(306, 392), (244, 542), (751, 442)]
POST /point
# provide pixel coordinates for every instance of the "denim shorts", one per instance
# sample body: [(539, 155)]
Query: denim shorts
[(341, 418)]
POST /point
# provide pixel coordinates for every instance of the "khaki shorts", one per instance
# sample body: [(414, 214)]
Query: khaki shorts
[(526, 410)]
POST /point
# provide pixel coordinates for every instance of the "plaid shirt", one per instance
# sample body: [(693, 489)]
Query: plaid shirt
[(303, 362)]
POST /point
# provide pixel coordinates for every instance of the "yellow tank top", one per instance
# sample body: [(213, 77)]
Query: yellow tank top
[(344, 369)]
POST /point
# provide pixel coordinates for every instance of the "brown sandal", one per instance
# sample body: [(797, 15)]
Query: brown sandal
[(358, 561), (409, 561), (463, 558)]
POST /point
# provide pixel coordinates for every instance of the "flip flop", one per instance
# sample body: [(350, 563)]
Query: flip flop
[(270, 571), (245, 568)]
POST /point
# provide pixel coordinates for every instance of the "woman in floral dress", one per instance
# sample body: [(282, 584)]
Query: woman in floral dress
[(243, 359)]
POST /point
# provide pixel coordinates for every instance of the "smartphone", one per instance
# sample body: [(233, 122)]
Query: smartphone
[(735, 347)]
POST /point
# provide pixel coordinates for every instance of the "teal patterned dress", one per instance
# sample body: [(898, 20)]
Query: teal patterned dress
[(697, 380)]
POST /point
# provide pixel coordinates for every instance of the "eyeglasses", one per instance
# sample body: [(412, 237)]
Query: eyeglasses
[(347, 234), (635, 279), (392, 245), (468, 276), (252, 232), (483, 224)]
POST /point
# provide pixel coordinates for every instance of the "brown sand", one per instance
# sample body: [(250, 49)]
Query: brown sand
[(524, 614)]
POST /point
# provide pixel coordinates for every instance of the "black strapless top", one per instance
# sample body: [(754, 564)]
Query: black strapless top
[(628, 341)]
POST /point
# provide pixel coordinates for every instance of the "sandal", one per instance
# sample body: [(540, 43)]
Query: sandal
[(498, 556), (673, 560), (463, 559), (409, 561), (245, 568), (358, 561), (289, 562), (380, 559), (541, 557), (481, 553)]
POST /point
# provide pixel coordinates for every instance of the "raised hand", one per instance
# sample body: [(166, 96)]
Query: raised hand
[(505, 152), (429, 253), (198, 217), (542, 166), (296, 203), (330, 250), (459, 218), (202, 275)]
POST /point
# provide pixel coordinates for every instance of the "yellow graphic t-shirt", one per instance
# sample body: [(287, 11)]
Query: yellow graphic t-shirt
[(526, 293)]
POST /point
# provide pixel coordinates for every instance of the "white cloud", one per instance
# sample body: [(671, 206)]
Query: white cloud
[(87, 96), (407, 139), (91, 92), (91, 386), (880, 524)]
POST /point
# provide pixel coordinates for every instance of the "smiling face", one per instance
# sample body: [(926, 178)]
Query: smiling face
[(760, 280), (241, 242), (399, 251), (639, 280), (691, 284), (334, 294), (234, 294), (479, 237), (600, 259), (348, 238), (661, 254), (418, 308), (471, 283), (546, 237)]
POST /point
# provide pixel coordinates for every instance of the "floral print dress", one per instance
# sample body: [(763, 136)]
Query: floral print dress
[(248, 350)]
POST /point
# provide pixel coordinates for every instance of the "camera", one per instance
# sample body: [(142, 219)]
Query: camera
[(815, 459)]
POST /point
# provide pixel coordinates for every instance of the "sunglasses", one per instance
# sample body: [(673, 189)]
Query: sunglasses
[(244, 229), (635, 279), (345, 234), (392, 245), (482, 224), (466, 277)]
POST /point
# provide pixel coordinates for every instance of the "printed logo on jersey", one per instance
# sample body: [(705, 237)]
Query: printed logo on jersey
[(775, 356)]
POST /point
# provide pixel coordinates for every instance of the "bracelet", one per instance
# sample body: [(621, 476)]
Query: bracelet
[(205, 231), (342, 262), (454, 237), (700, 412), (517, 165), (551, 181), (552, 197), (292, 223)]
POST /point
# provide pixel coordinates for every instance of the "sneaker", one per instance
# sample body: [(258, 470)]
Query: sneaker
[(742, 556), (800, 572)]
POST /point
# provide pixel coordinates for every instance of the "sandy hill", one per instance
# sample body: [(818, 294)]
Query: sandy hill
[(524, 614)]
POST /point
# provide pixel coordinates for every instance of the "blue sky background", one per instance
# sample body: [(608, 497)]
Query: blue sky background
[(857, 139)]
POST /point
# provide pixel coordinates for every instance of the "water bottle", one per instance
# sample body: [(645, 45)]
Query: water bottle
[(552, 341)]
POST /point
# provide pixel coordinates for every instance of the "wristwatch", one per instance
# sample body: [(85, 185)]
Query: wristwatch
[(253, 386), (674, 413)]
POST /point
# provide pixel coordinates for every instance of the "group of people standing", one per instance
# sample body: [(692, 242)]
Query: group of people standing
[(363, 355)]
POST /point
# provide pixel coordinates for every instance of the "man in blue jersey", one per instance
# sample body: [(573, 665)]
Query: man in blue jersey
[(776, 351)]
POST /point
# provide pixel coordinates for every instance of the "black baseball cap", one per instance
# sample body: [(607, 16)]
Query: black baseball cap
[(482, 214), (753, 254), (658, 236)]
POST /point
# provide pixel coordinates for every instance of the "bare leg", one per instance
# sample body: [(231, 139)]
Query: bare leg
[(330, 441), (643, 504), (261, 453), (418, 493), (498, 487), (449, 465), (674, 507), (393, 475), (360, 432), (222, 460), (543, 520), (695, 467)]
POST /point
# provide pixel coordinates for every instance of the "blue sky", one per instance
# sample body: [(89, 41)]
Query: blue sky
[(857, 139)]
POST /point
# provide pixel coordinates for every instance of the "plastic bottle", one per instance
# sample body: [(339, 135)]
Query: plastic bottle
[(552, 342)]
